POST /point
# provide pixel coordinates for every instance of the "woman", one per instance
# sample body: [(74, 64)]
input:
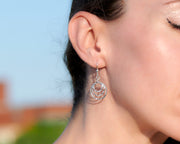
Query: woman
[(124, 59)]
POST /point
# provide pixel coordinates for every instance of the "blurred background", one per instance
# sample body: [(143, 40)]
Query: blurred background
[(35, 88)]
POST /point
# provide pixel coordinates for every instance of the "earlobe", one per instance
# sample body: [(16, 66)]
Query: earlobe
[(82, 34)]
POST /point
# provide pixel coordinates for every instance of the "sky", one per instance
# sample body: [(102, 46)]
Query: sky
[(33, 37)]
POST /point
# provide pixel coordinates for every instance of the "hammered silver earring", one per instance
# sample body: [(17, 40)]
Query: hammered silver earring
[(98, 89)]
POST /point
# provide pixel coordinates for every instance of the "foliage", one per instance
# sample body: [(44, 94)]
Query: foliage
[(44, 132)]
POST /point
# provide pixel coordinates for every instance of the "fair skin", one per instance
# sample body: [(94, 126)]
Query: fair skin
[(139, 59)]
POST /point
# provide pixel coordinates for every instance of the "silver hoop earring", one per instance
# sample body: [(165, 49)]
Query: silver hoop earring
[(98, 89)]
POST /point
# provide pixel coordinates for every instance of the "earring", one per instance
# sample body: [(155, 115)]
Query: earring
[(98, 89)]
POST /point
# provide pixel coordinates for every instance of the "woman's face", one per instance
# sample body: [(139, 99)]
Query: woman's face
[(143, 62)]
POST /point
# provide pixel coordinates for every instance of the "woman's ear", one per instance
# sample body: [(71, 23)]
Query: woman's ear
[(84, 31)]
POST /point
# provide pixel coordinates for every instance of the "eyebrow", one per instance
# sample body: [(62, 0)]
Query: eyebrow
[(172, 1)]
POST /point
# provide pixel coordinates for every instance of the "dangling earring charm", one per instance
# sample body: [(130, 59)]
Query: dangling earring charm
[(98, 89)]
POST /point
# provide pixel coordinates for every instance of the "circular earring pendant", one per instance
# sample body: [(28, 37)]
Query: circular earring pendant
[(98, 89)]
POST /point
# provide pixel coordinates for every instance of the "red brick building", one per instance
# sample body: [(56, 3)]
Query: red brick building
[(12, 122)]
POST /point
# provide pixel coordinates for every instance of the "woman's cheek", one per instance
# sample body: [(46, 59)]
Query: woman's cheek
[(145, 69)]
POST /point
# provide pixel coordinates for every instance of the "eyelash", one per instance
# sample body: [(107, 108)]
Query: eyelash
[(176, 26)]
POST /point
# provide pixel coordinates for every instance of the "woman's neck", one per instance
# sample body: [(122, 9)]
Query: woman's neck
[(106, 123)]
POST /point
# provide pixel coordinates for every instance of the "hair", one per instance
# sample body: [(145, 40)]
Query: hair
[(107, 10)]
